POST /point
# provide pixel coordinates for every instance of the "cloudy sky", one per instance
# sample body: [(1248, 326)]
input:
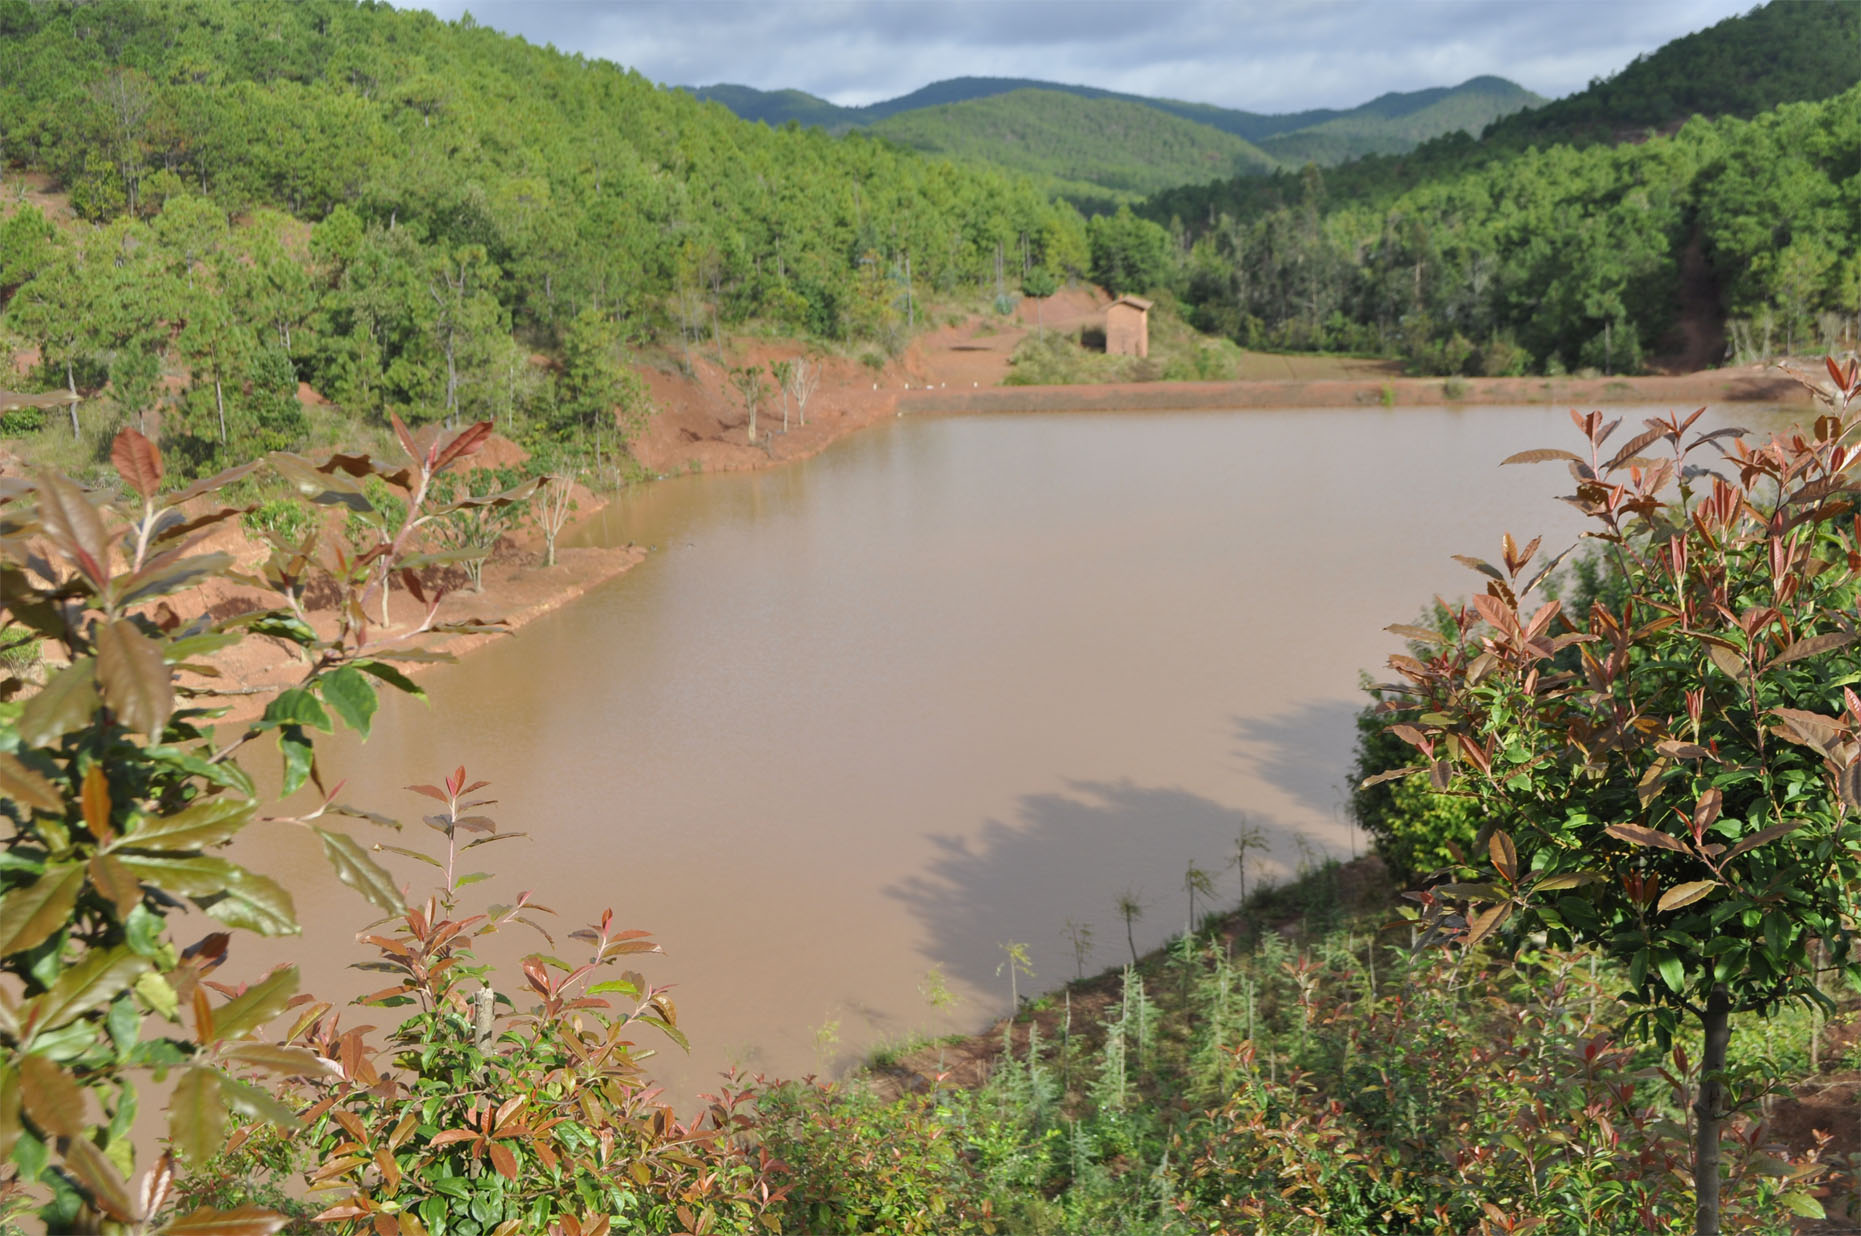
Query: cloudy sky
[(1259, 55)]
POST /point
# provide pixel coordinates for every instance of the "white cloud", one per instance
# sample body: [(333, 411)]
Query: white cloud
[(1260, 55)]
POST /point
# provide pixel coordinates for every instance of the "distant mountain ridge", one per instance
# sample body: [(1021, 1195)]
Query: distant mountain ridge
[(1097, 153), (1101, 148), (778, 107)]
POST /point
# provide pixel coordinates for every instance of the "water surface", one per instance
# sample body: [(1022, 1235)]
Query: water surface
[(943, 688)]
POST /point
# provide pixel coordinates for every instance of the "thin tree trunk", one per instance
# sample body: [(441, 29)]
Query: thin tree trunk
[(1709, 1112), (71, 384), (219, 401)]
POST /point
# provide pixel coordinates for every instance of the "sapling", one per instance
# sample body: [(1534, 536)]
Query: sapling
[(1081, 936), (1196, 880), (1018, 964), (1250, 838), (1130, 909), (1673, 774)]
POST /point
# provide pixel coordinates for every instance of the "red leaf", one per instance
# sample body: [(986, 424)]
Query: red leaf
[(467, 443), (137, 462), (1636, 834), (503, 1160), (407, 439)]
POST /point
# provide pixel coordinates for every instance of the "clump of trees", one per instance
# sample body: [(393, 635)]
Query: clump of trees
[(1673, 776)]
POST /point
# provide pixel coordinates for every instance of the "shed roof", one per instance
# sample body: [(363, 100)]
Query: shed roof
[(1136, 302)]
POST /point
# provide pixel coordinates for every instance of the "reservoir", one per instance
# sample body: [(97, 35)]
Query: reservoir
[(859, 723)]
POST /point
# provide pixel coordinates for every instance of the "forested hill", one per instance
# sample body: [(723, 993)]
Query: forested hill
[(398, 209), (1095, 152), (1394, 121), (1783, 52), (1780, 53), (1728, 239)]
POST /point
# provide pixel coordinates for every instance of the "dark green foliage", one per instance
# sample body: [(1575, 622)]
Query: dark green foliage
[(1129, 254), (1779, 52), (1563, 258), (1394, 121), (473, 197), (1094, 152), (1683, 798), (1347, 1080)]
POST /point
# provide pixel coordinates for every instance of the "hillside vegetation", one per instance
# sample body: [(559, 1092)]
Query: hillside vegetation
[(999, 120), (1394, 123), (1095, 152), (1778, 53), (400, 211), (1731, 238)]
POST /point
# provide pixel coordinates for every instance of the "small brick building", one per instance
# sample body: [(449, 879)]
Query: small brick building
[(1127, 327)]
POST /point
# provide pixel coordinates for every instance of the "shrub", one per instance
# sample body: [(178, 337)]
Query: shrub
[(480, 1122), (116, 795)]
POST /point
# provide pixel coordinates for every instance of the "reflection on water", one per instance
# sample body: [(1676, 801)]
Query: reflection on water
[(943, 688)]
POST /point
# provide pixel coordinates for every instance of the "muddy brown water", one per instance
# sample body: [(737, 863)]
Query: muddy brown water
[(939, 690)]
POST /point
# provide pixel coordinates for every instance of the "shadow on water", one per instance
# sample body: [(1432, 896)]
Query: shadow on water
[(1078, 849), (1304, 753)]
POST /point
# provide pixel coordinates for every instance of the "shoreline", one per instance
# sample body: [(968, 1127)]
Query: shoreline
[(699, 428)]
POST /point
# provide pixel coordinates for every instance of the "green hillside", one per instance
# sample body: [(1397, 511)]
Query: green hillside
[(1780, 53), (1396, 123), (1093, 151), (1068, 155), (399, 210)]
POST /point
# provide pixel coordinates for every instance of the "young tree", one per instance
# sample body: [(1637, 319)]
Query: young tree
[(784, 374), (752, 388), (803, 379), (1130, 909), (555, 502), (1679, 770)]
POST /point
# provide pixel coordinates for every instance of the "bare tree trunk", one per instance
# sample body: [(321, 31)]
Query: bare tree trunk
[(1709, 1112), (219, 401), (71, 384)]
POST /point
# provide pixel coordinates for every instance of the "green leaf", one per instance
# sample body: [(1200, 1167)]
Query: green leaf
[(137, 683), (393, 677), (355, 868), (96, 979), (156, 992), (192, 828), (298, 755), (254, 1103), (1672, 972), (256, 903), (347, 691), (1803, 1204), (296, 706), (197, 1115), (257, 1005), (199, 875), (31, 913), (66, 702)]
